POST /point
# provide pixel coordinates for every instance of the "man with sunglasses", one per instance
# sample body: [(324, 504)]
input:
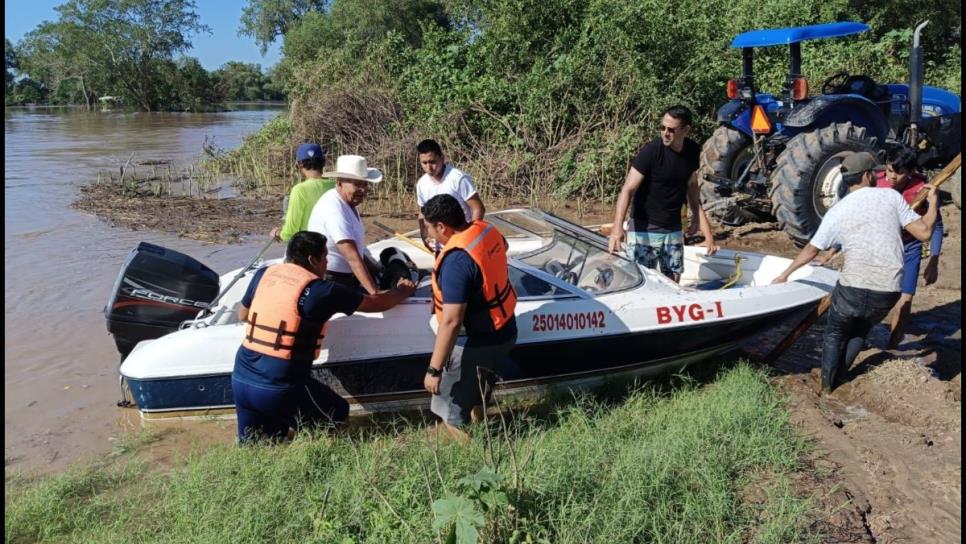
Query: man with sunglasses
[(662, 178)]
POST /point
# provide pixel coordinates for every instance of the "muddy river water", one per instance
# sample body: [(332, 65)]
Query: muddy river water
[(60, 365)]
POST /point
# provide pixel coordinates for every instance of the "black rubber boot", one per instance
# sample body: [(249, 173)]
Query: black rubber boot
[(828, 379)]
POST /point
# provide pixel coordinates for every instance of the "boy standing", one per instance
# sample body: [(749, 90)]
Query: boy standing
[(440, 178), (310, 159)]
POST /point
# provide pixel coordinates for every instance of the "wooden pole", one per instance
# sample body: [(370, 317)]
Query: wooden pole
[(402, 237), (823, 305), (939, 179)]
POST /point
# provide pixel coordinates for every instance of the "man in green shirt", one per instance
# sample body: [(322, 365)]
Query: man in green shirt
[(311, 160)]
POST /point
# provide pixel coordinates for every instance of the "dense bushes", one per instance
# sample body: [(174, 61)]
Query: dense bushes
[(555, 95)]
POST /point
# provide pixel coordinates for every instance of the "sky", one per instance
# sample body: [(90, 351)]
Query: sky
[(222, 45)]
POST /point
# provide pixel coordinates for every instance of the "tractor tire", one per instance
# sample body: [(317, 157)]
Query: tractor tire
[(725, 154), (955, 182), (806, 181)]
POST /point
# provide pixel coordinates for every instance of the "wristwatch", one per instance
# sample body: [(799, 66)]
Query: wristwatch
[(434, 372)]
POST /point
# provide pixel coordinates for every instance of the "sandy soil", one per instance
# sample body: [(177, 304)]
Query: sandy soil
[(887, 466)]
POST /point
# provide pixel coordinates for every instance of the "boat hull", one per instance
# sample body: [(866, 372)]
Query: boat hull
[(392, 384)]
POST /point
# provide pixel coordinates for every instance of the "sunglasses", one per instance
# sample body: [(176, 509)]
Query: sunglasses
[(672, 130)]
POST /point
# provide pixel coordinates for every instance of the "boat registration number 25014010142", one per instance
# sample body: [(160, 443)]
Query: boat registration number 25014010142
[(568, 321)]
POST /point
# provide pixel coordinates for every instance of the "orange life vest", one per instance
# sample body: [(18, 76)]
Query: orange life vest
[(487, 247), (275, 327)]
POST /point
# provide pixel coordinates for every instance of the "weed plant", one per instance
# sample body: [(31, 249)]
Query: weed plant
[(654, 463)]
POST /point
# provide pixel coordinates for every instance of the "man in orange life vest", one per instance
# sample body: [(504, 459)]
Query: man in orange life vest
[(471, 288), (286, 308)]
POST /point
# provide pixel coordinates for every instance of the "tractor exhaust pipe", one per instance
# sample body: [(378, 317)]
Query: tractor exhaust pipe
[(915, 87)]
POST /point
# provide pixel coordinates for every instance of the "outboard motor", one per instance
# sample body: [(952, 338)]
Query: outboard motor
[(395, 265), (155, 292)]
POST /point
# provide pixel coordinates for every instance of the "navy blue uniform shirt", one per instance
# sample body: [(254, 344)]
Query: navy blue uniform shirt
[(461, 281)]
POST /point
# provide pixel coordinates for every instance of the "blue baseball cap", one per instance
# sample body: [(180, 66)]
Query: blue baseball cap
[(309, 151)]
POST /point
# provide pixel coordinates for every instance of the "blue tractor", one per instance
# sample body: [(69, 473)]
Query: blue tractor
[(779, 156)]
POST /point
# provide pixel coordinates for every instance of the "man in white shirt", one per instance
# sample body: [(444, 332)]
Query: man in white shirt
[(336, 216), (440, 178), (867, 223)]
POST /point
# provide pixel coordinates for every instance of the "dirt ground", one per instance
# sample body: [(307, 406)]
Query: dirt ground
[(888, 463)]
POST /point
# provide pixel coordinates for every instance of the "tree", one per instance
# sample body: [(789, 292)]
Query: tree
[(265, 20), (352, 25), (10, 63), (193, 87), (274, 88), (27, 91), (53, 54), (121, 47), (241, 81)]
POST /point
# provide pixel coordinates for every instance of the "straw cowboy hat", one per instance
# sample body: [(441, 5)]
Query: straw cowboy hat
[(354, 167)]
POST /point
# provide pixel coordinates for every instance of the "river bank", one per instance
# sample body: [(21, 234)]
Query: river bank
[(617, 465), (61, 264), (892, 436), (911, 394), (887, 462)]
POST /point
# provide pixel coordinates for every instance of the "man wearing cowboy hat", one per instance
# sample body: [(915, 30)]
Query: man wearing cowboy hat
[(335, 215)]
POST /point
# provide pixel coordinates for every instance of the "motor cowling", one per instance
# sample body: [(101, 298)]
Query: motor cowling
[(156, 290), (396, 265)]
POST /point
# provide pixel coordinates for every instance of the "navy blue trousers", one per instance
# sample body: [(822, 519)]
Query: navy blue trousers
[(265, 412)]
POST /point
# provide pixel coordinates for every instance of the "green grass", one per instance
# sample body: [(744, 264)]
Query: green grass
[(656, 464)]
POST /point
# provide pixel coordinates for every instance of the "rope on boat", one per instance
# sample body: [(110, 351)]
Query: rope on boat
[(736, 276), (402, 237)]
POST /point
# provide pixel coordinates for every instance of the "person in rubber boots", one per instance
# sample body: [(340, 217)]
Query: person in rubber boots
[(867, 224), (662, 178), (285, 311), (472, 291)]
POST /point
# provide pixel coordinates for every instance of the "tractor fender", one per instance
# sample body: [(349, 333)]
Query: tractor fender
[(824, 110), (737, 114), (729, 111)]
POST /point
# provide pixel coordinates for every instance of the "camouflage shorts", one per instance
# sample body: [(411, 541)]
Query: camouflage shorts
[(658, 250)]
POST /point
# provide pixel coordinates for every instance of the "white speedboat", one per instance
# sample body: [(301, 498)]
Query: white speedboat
[(583, 316)]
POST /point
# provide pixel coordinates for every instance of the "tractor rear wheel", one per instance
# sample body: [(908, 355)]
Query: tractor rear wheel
[(726, 154), (807, 181)]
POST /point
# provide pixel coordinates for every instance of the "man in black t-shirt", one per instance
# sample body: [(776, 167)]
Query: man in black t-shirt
[(662, 178)]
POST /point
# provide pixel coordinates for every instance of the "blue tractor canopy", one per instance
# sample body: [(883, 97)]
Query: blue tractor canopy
[(787, 36)]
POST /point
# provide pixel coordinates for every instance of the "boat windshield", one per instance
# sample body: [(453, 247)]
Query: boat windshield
[(566, 251)]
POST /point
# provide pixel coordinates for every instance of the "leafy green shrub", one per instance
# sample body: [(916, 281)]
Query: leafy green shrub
[(554, 96)]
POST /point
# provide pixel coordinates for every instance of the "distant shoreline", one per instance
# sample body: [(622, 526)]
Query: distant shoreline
[(257, 103), (280, 103)]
